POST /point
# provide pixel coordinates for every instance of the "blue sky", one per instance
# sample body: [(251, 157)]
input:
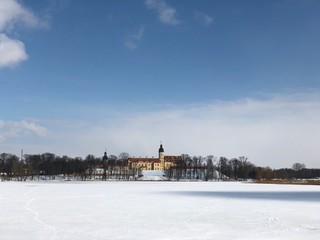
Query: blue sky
[(227, 78)]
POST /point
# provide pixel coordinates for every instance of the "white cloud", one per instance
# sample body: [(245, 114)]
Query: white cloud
[(12, 13), (277, 131), (167, 14), (17, 129), (204, 18), (133, 39), (12, 51)]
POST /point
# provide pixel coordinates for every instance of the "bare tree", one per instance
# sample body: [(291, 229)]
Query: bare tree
[(210, 168), (298, 166)]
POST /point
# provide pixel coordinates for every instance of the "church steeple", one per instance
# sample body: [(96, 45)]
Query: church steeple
[(161, 150), (161, 157)]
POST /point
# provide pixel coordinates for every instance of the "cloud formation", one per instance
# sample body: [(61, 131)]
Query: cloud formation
[(17, 129), (12, 51), (133, 39), (203, 17), (12, 13), (167, 14), (275, 132)]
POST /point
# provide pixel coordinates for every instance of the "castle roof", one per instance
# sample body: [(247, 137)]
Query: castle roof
[(172, 158), (151, 160), (155, 160)]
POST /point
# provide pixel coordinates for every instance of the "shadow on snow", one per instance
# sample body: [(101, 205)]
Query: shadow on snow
[(269, 195)]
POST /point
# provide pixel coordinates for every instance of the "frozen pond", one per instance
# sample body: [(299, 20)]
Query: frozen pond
[(158, 210)]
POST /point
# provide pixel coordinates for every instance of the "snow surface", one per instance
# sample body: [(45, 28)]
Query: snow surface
[(152, 175), (158, 210)]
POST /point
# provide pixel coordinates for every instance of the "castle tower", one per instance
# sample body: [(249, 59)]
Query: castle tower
[(161, 157)]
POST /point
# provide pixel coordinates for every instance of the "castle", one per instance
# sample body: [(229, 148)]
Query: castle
[(161, 163)]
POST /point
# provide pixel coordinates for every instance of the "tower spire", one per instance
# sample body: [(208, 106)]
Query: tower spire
[(161, 148)]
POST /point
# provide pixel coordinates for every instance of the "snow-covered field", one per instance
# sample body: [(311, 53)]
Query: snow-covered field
[(158, 210)]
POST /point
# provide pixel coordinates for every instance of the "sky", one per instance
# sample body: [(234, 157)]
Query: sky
[(224, 78)]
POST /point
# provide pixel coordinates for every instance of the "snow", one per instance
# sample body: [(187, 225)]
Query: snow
[(152, 175), (158, 210)]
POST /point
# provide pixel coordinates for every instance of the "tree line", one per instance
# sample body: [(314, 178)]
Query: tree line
[(51, 166), (235, 169), (211, 168)]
